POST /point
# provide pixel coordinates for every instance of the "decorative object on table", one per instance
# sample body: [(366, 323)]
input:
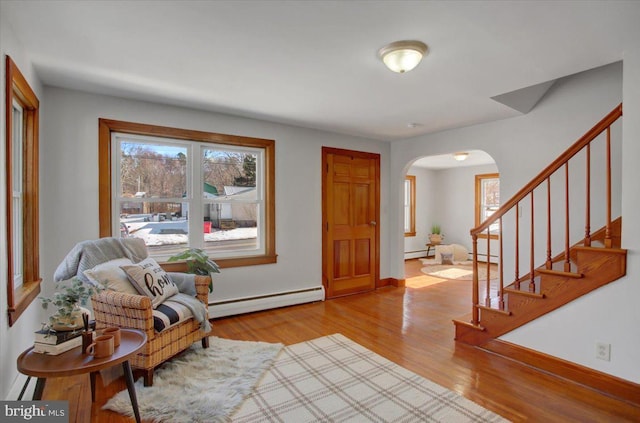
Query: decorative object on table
[(336, 377), (87, 339), (203, 384), (68, 300), (58, 348), (101, 347), (115, 332), (198, 263), (435, 237)]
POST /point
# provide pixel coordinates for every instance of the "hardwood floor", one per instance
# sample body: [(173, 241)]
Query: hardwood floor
[(412, 327)]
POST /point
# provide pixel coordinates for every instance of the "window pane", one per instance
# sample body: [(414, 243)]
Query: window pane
[(229, 173), (17, 147), (231, 227), (150, 170), (163, 226), (407, 205)]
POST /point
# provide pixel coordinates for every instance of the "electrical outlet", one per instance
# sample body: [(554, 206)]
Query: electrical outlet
[(603, 351)]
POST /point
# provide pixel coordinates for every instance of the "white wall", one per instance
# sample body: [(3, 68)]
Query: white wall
[(522, 147), (12, 339), (70, 185), (455, 207)]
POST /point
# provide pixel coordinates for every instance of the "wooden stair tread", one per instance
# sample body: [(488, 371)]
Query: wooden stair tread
[(468, 324), (555, 272), (494, 310), (600, 249), (525, 293)]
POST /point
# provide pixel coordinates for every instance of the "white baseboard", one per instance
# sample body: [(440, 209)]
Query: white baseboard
[(282, 299), (415, 254)]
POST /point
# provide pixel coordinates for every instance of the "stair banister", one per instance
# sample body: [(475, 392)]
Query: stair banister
[(606, 122), (527, 190)]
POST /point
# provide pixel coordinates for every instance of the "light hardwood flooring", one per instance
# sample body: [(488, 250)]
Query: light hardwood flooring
[(412, 327)]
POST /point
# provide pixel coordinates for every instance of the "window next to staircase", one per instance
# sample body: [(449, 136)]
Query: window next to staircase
[(487, 201)]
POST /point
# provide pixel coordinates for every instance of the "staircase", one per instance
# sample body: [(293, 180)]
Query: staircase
[(576, 268)]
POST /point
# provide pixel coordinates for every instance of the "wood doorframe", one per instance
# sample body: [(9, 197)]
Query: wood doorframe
[(325, 212)]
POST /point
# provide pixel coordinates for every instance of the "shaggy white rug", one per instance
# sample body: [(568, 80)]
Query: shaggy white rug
[(201, 385)]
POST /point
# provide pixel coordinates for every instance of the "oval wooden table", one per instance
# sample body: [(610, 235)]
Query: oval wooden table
[(74, 362)]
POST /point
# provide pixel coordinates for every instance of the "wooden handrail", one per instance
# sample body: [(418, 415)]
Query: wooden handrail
[(606, 122)]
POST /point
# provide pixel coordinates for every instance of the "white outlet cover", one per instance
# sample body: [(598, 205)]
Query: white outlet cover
[(603, 351)]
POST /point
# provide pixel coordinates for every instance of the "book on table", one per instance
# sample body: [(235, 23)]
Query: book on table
[(52, 337), (58, 348), (49, 337)]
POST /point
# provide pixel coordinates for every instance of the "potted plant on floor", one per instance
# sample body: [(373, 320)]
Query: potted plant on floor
[(435, 237)]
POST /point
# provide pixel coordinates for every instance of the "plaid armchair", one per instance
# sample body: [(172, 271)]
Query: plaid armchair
[(113, 308)]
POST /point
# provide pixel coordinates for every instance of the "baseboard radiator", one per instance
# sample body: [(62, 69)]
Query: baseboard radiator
[(265, 302)]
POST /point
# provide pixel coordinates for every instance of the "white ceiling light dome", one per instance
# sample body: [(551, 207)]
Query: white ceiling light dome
[(402, 56)]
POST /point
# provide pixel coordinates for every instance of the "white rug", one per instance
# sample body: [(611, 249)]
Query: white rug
[(201, 385), (462, 271), (333, 379)]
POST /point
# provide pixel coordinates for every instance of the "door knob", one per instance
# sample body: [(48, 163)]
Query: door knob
[(373, 223)]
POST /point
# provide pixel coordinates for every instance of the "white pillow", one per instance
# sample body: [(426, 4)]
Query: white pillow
[(110, 275), (151, 280)]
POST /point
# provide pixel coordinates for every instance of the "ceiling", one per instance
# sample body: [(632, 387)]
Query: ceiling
[(314, 63)]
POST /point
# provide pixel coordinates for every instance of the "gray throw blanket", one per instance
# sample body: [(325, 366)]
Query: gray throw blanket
[(88, 254), (198, 309)]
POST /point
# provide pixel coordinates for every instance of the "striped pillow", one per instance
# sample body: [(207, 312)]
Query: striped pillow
[(170, 313)]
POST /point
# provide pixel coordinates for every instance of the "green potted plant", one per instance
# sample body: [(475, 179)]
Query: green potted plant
[(68, 300), (435, 237), (198, 262)]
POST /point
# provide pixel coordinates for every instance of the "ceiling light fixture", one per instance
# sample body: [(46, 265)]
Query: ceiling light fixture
[(460, 156), (402, 56)]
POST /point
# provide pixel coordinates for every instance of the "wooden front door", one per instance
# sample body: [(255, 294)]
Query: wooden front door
[(350, 213)]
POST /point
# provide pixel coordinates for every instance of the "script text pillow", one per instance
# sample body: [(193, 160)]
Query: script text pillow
[(111, 276), (151, 280)]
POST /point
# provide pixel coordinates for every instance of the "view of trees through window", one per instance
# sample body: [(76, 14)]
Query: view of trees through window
[(158, 193)]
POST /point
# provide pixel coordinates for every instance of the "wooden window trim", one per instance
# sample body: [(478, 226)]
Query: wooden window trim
[(478, 201), (412, 212), (106, 127), (17, 88)]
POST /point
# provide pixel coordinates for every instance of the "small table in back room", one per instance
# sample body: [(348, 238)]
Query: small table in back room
[(74, 362)]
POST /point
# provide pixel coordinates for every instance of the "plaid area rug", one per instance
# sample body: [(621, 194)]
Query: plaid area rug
[(333, 379)]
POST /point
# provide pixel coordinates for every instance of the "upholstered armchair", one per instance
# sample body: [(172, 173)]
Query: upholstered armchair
[(171, 311), (125, 310)]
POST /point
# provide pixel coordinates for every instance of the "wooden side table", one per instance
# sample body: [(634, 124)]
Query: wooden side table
[(74, 362)]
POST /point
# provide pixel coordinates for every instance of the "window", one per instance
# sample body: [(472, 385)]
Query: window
[(23, 273), (178, 188), (409, 206), (487, 201)]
